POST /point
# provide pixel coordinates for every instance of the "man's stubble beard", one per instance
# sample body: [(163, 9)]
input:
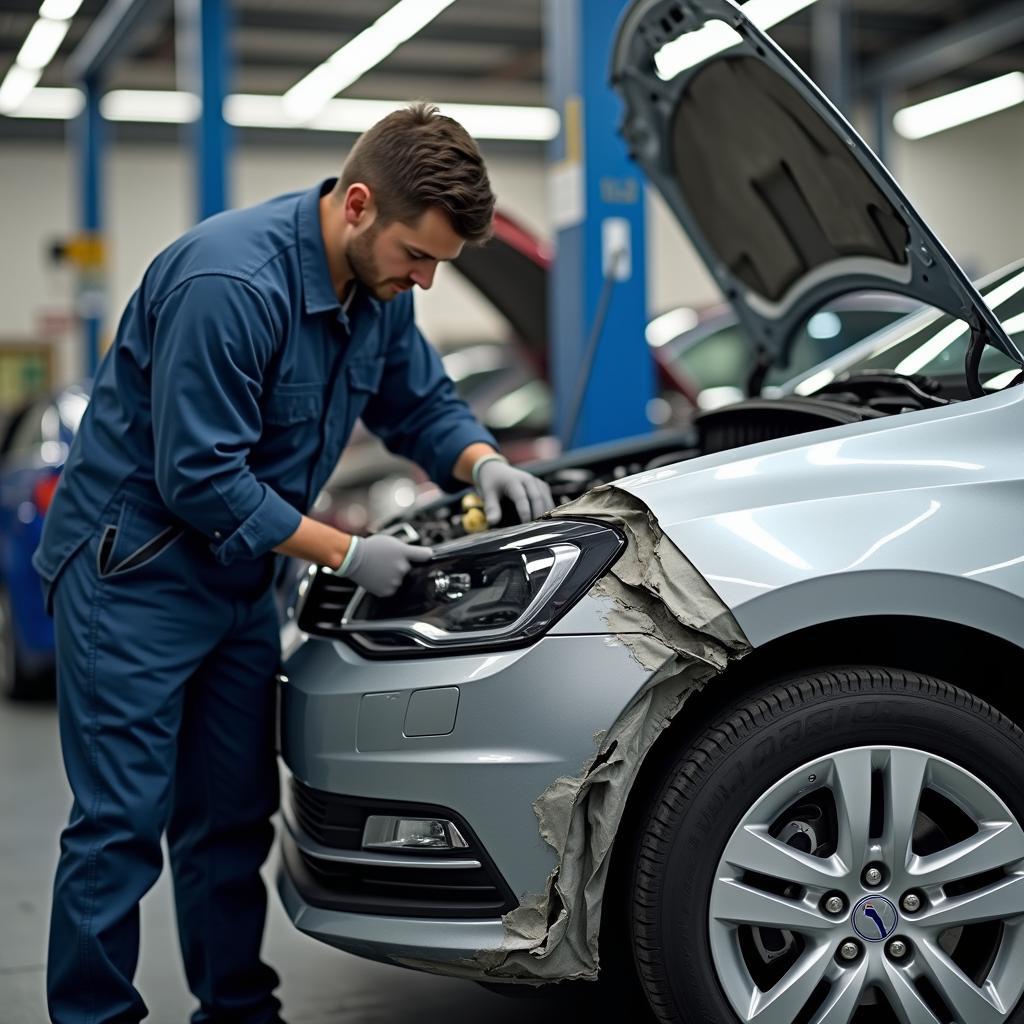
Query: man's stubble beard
[(364, 264)]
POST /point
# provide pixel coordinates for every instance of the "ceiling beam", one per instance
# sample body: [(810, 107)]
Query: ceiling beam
[(111, 35), (947, 49)]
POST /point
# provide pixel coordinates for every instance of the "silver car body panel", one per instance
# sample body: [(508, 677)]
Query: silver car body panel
[(551, 736), (906, 515), (909, 515), (525, 718)]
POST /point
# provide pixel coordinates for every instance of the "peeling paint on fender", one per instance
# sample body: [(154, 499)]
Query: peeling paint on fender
[(673, 624)]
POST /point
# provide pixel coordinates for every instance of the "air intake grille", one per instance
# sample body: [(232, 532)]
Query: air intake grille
[(327, 819), (325, 604), (337, 821)]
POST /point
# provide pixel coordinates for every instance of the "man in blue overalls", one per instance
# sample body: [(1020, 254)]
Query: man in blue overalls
[(239, 367)]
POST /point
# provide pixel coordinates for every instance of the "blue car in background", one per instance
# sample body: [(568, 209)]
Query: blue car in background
[(33, 446)]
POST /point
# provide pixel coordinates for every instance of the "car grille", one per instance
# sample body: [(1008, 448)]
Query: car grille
[(397, 889)]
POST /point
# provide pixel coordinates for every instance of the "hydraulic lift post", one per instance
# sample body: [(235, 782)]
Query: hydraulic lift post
[(598, 294)]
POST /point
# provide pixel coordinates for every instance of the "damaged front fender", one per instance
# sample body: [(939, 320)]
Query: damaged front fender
[(676, 627)]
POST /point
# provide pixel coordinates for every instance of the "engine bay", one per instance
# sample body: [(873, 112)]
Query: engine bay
[(851, 399)]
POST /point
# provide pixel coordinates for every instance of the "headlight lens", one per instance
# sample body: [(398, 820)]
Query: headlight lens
[(492, 591)]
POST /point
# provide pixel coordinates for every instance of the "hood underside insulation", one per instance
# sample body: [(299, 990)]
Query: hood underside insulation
[(676, 627), (774, 189)]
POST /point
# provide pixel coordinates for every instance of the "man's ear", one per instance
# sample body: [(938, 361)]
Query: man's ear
[(358, 204)]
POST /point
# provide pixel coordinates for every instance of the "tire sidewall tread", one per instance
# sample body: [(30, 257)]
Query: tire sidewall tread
[(714, 782)]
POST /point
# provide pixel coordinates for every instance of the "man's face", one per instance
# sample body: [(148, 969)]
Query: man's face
[(389, 259)]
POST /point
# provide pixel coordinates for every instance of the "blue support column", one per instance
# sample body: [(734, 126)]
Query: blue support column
[(881, 111), (204, 53), (598, 284), (91, 291), (832, 52)]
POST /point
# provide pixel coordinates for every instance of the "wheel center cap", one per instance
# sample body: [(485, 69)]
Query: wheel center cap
[(875, 918)]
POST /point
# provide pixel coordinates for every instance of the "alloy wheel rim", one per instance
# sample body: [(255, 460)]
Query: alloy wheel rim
[(935, 831)]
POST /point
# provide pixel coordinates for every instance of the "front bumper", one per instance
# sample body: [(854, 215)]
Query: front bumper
[(389, 939), (521, 719)]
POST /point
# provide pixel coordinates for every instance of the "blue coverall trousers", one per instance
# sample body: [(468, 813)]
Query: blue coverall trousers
[(166, 666)]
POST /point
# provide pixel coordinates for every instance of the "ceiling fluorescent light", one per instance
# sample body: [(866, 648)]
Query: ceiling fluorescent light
[(59, 10), (486, 121), (245, 110), (692, 48), (354, 116), (150, 106), (959, 107), (41, 43), (18, 83), (309, 95), (483, 121), (51, 104)]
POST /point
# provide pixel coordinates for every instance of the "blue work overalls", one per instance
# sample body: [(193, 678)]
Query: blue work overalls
[(225, 401)]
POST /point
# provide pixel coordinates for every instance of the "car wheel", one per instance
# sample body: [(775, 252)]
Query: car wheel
[(845, 846)]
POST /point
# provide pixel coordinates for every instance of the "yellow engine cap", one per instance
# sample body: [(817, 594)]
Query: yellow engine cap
[(474, 520)]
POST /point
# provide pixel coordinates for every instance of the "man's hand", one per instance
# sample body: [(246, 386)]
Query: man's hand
[(380, 563), (495, 479)]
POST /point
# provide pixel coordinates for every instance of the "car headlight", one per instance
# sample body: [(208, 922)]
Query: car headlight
[(494, 590)]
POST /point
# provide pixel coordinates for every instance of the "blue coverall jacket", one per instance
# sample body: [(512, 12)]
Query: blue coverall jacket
[(231, 388), (234, 383)]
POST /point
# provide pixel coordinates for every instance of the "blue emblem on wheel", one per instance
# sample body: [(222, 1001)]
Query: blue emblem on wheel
[(875, 918)]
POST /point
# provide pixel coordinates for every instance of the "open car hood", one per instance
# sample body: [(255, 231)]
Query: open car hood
[(786, 204), (511, 271)]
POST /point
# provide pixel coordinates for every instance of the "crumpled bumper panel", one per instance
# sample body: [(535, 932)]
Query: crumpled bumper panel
[(674, 625)]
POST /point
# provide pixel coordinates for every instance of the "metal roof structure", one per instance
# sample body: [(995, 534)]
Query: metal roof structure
[(485, 52)]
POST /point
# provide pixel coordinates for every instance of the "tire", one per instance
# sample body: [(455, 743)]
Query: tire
[(715, 855), (16, 681)]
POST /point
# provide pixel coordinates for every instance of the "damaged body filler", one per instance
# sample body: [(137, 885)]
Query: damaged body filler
[(676, 627)]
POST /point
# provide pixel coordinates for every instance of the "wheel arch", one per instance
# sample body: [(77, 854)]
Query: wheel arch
[(983, 663), (906, 592)]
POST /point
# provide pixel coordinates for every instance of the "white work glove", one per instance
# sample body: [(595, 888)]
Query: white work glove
[(380, 563), (495, 479)]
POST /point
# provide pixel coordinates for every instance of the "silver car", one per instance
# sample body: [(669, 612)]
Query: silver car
[(737, 725)]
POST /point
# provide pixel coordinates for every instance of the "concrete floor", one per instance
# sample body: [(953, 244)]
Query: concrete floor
[(319, 985)]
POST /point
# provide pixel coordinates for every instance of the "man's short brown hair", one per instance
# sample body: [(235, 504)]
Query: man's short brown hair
[(416, 158)]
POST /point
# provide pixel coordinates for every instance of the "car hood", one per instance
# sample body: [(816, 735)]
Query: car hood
[(787, 205), (511, 270)]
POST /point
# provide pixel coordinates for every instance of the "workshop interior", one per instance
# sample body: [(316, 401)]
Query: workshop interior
[(512, 511)]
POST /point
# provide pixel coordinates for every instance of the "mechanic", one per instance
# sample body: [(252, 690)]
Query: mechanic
[(238, 370)]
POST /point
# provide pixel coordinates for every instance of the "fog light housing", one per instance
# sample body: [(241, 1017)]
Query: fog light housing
[(389, 832)]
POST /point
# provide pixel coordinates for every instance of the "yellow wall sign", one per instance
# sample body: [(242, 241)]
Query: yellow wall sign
[(85, 251)]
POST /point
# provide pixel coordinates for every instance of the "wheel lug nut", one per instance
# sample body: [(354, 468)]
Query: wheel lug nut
[(835, 904), (911, 902), (873, 876), (849, 950), (897, 949)]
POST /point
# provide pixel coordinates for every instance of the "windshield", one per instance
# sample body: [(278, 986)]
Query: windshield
[(721, 358), (935, 344)]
